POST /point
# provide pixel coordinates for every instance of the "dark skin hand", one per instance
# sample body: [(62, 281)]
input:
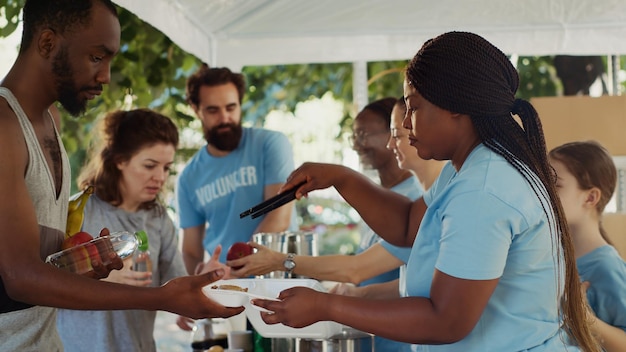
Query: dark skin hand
[(453, 309), (189, 290), (101, 271)]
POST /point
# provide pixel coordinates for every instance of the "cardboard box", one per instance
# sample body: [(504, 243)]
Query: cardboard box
[(579, 118), (615, 226)]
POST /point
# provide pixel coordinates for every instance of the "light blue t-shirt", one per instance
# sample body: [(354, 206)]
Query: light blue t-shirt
[(412, 189), (402, 253), (215, 190), (606, 272), (486, 222)]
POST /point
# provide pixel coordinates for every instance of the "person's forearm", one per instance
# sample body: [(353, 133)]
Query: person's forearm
[(384, 290), (277, 220), (420, 321), (328, 267), (44, 285), (385, 212), (340, 268), (191, 261), (355, 269), (193, 248), (613, 339)]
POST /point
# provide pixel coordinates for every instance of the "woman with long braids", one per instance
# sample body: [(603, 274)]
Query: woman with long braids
[(492, 265)]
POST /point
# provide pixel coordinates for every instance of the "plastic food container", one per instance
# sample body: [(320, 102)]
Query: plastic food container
[(233, 297), (78, 258), (270, 289), (226, 297)]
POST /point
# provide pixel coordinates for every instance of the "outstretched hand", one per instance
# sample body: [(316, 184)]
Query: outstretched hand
[(184, 296), (261, 262), (213, 264), (298, 307)]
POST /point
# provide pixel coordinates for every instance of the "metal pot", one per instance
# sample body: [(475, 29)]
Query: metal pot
[(300, 243), (349, 340)]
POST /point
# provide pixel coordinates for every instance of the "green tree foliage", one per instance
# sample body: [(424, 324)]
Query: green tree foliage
[(283, 86), (537, 77)]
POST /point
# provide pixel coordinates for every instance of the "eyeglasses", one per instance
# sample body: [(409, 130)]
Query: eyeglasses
[(361, 137)]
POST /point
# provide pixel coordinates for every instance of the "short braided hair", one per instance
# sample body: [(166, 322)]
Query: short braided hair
[(59, 15)]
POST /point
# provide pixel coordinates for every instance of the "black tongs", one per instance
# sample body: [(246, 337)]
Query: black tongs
[(272, 203)]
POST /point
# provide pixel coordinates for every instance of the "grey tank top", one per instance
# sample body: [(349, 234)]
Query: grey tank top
[(24, 327)]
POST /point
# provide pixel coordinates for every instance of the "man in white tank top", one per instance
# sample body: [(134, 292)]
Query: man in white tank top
[(65, 56)]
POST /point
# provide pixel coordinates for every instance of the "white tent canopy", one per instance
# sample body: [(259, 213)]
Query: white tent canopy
[(237, 33)]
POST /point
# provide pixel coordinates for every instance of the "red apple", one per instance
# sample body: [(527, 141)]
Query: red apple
[(239, 250), (88, 253), (78, 260), (76, 239)]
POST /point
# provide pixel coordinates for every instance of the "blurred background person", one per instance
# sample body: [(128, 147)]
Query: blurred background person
[(370, 134), (427, 172), (128, 168), (406, 155), (586, 180), (237, 168)]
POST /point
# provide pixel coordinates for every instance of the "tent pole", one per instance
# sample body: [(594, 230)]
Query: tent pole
[(613, 68), (359, 84)]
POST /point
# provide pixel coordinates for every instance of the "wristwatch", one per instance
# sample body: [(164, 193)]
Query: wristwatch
[(289, 264)]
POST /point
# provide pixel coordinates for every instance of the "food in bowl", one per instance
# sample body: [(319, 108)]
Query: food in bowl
[(230, 288)]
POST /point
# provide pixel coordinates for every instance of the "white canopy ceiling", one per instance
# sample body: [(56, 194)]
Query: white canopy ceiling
[(237, 33)]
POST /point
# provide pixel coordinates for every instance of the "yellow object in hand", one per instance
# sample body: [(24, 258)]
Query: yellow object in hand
[(76, 212)]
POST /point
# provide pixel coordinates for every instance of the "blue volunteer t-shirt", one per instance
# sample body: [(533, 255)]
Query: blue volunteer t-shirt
[(606, 272), (486, 222), (215, 190)]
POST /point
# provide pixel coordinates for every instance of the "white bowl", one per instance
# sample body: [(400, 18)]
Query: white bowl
[(272, 288), (227, 298)]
